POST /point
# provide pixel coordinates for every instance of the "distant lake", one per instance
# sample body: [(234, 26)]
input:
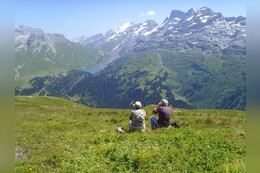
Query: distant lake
[(93, 70)]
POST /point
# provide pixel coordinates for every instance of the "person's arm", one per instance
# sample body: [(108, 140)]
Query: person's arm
[(155, 110), (130, 116), (145, 117)]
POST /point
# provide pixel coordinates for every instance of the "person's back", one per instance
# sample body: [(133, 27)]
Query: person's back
[(164, 114), (137, 117)]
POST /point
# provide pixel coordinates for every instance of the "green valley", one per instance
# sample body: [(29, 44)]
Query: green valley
[(186, 79)]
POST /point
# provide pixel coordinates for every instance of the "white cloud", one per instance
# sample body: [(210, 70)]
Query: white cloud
[(149, 13)]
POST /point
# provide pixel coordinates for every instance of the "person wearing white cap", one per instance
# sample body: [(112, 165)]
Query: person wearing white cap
[(164, 112), (137, 118)]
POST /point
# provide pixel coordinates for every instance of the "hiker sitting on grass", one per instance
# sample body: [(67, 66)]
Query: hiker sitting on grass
[(137, 118), (164, 112)]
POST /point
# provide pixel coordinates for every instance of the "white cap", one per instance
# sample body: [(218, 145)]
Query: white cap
[(137, 104)]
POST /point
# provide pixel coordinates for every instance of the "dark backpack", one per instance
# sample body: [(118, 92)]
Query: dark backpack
[(174, 124)]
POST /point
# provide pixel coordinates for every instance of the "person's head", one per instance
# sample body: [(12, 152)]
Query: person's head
[(164, 102), (137, 105)]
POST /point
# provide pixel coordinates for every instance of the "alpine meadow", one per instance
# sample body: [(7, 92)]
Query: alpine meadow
[(56, 135), (67, 119)]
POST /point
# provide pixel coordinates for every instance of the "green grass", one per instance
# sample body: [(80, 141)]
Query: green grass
[(56, 135)]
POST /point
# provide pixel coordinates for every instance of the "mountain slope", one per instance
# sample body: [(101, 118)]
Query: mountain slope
[(56, 135), (187, 80), (38, 53)]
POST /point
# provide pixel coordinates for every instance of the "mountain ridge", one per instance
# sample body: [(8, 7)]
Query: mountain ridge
[(210, 27)]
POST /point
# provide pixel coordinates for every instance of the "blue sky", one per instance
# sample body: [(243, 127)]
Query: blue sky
[(88, 17)]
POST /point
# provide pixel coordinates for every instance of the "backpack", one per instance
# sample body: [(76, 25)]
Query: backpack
[(174, 124)]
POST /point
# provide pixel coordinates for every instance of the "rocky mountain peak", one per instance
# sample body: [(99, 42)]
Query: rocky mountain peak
[(190, 12), (36, 40), (205, 10), (177, 13), (26, 30), (241, 19)]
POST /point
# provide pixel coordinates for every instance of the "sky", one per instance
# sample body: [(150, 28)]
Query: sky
[(74, 18)]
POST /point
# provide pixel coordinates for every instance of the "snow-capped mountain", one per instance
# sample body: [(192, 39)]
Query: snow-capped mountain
[(201, 30), (122, 39), (125, 31)]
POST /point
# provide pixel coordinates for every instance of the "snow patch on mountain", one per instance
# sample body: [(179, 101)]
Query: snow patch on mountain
[(79, 39), (123, 27), (112, 37), (204, 19), (138, 30), (17, 74), (150, 32), (176, 20), (189, 18)]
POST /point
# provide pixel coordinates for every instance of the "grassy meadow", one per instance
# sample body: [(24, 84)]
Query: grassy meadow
[(56, 135)]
